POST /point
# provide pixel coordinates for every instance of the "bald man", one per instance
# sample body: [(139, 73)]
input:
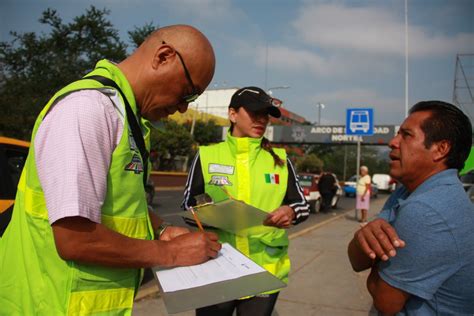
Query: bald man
[(81, 230)]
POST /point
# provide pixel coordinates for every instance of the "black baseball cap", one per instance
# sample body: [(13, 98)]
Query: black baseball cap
[(255, 99)]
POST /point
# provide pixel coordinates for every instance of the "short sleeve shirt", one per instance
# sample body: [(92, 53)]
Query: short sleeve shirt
[(362, 183), (436, 266), (73, 150)]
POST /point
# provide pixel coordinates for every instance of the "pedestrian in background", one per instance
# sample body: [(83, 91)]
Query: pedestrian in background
[(81, 229), (251, 170), (327, 187), (363, 193)]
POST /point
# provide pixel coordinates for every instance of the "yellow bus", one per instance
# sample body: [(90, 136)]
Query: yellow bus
[(13, 153)]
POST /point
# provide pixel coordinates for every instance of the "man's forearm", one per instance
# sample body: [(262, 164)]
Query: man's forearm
[(388, 300), (81, 240), (359, 260)]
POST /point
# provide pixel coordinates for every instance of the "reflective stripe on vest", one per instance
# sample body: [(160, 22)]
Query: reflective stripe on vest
[(88, 302), (243, 187)]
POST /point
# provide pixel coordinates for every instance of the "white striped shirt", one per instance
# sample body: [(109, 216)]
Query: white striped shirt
[(73, 150)]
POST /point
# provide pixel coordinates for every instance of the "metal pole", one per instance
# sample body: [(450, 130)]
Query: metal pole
[(345, 163), (406, 58), (266, 65), (319, 113), (186, 159), (194, 120), (357, 171)]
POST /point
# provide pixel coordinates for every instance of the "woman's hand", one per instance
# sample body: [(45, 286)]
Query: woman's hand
[(281, 217)]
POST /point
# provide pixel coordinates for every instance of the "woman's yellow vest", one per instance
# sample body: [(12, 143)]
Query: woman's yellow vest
[(34, 280), (249, 174)]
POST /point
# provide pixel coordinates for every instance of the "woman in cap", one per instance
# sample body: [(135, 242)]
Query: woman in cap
[(251, 170)]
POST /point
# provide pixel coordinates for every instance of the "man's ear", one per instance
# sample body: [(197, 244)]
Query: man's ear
[(441, 150), (162, 55)]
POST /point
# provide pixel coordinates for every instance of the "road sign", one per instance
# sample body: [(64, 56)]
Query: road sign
[(360, 121)]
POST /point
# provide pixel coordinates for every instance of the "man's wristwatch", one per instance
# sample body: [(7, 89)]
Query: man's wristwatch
[(161, 229)]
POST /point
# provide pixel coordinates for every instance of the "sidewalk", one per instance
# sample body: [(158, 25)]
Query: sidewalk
[(321, 281)]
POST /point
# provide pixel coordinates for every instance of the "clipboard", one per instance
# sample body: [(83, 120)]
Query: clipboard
[(233, 216), (218, 292)]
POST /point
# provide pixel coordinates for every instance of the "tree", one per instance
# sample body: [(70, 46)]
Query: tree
[(139, 34), (169, 142), (33, 67), (333, 159), (206, 133), (309, 163)]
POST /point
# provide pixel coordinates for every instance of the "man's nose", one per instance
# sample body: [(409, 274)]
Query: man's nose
[(393, 143)]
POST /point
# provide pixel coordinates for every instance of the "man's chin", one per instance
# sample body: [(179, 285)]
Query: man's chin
[(393, 173)]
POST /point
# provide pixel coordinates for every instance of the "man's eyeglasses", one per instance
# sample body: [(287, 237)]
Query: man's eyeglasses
[(195, 93)]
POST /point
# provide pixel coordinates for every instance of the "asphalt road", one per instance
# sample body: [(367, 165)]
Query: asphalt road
[(167, 205)]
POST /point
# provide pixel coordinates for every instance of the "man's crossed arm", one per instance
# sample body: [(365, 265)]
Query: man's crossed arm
[(377, 241)]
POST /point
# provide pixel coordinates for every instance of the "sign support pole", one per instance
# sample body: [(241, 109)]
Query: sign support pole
[(357, 173)]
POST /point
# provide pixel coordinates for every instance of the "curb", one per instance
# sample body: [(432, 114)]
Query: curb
[(154, 290), (316, 226), (176, 188)]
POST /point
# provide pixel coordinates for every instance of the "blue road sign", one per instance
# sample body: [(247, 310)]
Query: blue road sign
[(360, 122)]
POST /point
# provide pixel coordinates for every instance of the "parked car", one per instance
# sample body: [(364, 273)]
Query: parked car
[(13, 153), (384, 182), (350, 188), (309, 184)]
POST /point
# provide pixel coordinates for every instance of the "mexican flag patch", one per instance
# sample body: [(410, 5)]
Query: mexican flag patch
[(272, 178)]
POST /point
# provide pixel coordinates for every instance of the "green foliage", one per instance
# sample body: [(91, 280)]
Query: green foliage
[(33, 67), (139, 34), (334, 158), (309, 163), (169, 142), (206, 133)]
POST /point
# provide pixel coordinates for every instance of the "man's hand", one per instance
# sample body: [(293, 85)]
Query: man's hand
[(193, 248), (172, 232), (378, 239), (281, 217)]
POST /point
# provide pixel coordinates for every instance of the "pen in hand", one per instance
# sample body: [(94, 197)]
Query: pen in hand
[(196, 218)]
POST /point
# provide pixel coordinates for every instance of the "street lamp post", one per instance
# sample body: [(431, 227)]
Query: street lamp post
[(270, 90), (319, 105)]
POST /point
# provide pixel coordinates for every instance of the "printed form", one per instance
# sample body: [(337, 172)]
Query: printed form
[(229, 264)]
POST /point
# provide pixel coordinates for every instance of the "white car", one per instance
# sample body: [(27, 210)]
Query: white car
[(384, 182)]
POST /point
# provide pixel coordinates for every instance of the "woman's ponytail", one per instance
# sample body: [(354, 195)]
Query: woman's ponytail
[(266, 145)]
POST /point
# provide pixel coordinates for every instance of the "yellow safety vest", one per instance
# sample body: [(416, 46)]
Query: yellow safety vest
[(249, 174), (34, 280)]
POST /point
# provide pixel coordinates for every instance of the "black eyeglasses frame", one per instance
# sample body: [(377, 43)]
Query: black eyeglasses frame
[(195, 93)]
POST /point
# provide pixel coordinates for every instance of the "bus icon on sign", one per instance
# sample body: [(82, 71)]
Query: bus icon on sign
[(360, 121)]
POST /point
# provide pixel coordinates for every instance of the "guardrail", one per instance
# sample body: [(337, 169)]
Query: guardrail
[(168, 179)]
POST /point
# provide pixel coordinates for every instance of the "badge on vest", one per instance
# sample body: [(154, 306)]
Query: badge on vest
[(220, 180), (131, 141), (135, 165), (272, 178), (217, 168)]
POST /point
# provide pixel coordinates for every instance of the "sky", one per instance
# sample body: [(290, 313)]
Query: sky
[(343, 54)]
